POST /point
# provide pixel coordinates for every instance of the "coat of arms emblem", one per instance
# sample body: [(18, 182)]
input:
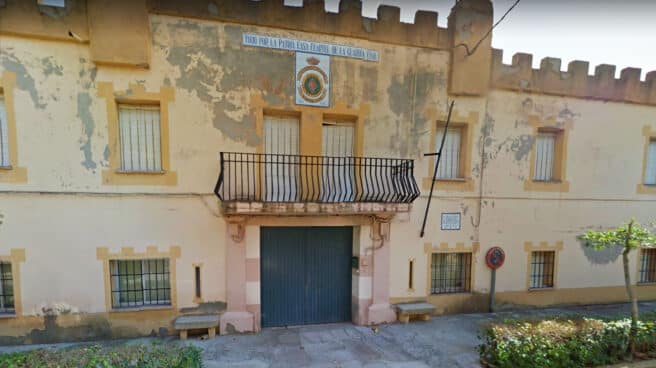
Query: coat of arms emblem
[(312, 79)]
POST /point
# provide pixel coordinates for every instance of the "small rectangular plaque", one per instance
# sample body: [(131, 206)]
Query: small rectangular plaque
[(451, 221), (283, 43)]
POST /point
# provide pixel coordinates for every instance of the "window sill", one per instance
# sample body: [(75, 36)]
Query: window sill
[(551, 288), (546, 186), (455, 184), (125, 172), (651, 283), (119, 177), (646, 189), (13, 174), (7, 315), (451, 293), (142, 309)]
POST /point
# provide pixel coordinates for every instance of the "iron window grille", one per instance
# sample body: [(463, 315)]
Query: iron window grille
[(139, 283), (648, 266), (6, 289), (542, 269), (450, 273), (139, 134)]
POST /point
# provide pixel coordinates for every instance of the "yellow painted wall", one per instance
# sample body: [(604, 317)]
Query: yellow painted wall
[(64, 212)]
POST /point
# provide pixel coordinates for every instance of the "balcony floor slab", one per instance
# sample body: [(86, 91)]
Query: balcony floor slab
[(312, 208)]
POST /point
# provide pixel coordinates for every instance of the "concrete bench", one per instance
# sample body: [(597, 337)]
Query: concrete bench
[(196, 322), (422, 309)]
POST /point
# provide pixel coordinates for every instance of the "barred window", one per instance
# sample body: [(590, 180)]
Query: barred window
[(648, 266), (542, 269), (6, 289), (545, 149), (450, 273), (650, 169), (4, 136), (140, 138), (450, 161), (137, 283)]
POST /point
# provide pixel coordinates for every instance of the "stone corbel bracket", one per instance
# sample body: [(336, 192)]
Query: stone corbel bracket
[(237, 227)]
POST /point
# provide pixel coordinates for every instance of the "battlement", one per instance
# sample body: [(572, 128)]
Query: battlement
[(576, 82), (312, 17)]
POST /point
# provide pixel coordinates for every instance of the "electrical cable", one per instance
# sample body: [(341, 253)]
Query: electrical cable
[(473, 50)]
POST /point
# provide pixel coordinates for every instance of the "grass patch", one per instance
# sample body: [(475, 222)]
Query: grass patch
[(154, 355), (564, 342)]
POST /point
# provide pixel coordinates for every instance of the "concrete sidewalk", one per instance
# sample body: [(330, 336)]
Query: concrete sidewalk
[(446, 341)]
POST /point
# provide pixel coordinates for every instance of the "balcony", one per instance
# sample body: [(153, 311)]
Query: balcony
[(269, 184)]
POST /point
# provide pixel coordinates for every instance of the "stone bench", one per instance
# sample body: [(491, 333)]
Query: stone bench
[(422, 309), (196, 322)]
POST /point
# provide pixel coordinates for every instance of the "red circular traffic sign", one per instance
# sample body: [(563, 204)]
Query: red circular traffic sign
[(495, 257)]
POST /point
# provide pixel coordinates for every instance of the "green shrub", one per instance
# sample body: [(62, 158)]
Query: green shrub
[(563, 342), (155, 355)]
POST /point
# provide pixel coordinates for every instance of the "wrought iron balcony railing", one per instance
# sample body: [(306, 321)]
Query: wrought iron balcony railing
[(254, 177)]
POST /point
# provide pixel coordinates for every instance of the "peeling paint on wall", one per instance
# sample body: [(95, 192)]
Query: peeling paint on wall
[(486, 139), (87, 76), (522, 146), (519, 145), (407, 94), (225, 77), (88, 125), (24, 80), (369, 80), (51, 67), (106, 152)]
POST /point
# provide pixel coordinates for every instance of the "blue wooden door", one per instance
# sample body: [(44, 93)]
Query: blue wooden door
[(305, 275)]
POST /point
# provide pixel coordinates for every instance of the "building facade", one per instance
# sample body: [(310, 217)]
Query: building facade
[(265, 162)]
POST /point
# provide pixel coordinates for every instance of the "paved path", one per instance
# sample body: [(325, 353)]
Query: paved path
[(447, 341)]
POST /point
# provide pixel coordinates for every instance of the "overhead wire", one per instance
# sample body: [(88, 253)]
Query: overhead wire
[(473, 49)]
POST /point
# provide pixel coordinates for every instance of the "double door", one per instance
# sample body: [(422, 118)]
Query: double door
[(305, 275), (285, 172)]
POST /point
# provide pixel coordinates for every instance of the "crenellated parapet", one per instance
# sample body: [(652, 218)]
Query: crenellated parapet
[(312, 17), (575, 82)]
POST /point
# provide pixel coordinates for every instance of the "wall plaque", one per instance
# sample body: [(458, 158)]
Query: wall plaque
[(450, 221), (283, 43), (312, 79)]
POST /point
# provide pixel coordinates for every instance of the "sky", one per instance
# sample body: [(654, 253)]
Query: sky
[(618, 32)]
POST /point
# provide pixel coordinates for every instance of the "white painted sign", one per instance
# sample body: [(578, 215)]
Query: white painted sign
[(450, 221), (312, 79), (282, 43)]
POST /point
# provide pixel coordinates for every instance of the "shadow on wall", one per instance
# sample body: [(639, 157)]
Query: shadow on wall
[(601, 257)]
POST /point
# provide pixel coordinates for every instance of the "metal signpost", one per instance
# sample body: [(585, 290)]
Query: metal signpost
[(494, 259)]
